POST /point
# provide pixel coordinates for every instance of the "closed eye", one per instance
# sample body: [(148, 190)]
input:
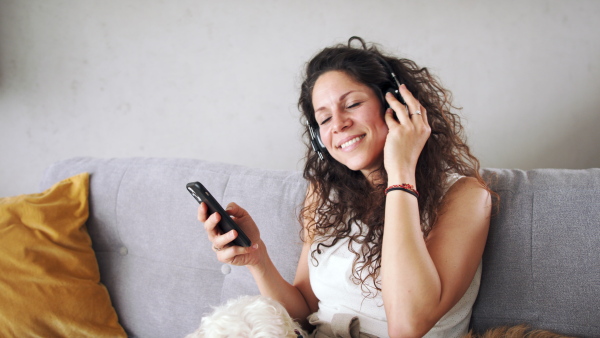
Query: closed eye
[(354, 105), (325, 121)]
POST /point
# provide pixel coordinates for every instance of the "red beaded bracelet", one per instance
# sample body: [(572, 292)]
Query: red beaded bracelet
[(404, 187)]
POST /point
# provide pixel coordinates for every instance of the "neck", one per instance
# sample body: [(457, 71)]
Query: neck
[(374, 177)]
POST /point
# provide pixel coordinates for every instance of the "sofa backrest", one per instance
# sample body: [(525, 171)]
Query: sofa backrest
[(541, 264)]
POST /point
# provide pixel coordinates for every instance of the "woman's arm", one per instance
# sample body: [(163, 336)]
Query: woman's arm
[(297, 298), (424, 279)]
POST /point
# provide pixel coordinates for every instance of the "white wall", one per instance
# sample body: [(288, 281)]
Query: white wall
[(218, 80)]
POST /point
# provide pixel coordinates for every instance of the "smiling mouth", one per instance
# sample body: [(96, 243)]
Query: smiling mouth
[(351, 142)]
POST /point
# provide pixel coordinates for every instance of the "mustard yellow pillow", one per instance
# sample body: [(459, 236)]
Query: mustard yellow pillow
[(49, 277)]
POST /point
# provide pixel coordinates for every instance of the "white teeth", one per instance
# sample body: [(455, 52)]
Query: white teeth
[(352, 141)]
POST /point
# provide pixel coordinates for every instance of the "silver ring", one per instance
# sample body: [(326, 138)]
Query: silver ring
[(217, 249), (418, 112)]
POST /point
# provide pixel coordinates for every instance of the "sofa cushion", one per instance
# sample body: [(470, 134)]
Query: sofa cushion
[(50, 283), (541, 263), (154, 256)]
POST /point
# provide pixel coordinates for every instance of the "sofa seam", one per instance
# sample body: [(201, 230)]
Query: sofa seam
[(117, 222), (531, 267)]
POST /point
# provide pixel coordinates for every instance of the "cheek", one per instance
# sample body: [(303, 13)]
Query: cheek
[(325, 137), (381, 130), (382, 137), (385, 130)]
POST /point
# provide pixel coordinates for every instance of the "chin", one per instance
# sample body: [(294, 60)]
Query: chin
[(364, 165)]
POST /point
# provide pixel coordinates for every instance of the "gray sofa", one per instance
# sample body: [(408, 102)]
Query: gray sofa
[(541, 264)]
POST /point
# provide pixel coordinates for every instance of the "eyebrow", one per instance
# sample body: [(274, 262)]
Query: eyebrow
[(343, 96)]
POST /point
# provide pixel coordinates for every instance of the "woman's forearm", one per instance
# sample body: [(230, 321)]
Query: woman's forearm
[(411, 286), (273, 285)]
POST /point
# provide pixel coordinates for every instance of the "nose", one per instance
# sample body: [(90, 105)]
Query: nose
[(341, 121)]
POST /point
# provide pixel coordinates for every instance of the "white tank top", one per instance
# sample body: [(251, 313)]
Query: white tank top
[(331, 282)]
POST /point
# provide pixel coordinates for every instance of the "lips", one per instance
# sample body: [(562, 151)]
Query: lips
[(351, 141)]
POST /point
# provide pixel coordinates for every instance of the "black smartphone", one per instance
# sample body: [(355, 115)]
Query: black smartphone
[(226, 224)]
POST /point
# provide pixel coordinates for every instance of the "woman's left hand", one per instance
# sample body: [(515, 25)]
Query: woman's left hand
[(406, 137)]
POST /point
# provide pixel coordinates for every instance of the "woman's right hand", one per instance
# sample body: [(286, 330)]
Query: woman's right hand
[(233, 254), (406, 137)]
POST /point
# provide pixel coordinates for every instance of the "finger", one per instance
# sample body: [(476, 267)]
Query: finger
[(389, 118), (211, 226), (234, 254), (417, 114), (202, 212), (235, 210), (408, 97), (399, 108), (424, 116), (221, 242), (414, 106)]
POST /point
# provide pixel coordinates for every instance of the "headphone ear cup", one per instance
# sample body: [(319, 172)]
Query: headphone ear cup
[(319, 141), (394, 84), (396, 93), (315, 140)]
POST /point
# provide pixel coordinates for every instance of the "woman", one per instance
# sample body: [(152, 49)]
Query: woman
[(396, 216)]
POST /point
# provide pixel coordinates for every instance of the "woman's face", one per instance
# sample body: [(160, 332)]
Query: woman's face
[(350, 121)]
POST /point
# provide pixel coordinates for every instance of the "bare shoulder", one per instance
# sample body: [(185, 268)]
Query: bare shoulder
[(466, 193), (466, 208), (468, 185)]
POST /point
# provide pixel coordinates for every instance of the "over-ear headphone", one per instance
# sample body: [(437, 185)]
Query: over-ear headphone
[(315, 141), (313, 130)]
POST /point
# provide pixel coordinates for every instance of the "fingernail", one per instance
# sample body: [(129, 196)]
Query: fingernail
[(255, 246)]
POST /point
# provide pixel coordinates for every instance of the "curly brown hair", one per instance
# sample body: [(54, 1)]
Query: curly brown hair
[(340, 197)]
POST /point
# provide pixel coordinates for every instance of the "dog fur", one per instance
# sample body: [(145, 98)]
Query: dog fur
[(251, 317), (519, 331), (262, 317)]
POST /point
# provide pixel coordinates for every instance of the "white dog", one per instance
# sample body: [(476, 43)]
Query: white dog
[(250, 317)]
